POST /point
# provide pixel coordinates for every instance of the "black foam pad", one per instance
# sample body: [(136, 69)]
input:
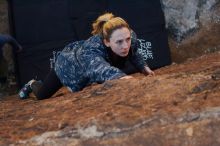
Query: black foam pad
[(45, 26)]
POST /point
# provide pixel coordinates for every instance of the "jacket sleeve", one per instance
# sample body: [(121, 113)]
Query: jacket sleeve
[(96, 68), (136, 58)]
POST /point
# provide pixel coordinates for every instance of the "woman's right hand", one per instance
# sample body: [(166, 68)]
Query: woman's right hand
[(126, 77)]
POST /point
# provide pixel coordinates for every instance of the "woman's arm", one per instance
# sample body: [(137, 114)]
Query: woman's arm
[(137, 58), (96, 68)]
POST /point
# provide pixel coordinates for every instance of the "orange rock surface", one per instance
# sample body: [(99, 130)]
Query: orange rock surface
[(180, 105)]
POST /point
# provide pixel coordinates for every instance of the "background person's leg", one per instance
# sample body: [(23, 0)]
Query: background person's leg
[(46, 89)]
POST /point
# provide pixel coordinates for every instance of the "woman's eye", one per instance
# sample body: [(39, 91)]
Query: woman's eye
[(119, 42), (128, 39)]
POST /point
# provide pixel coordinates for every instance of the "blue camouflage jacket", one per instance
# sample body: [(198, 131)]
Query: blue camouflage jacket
[(84, 62)]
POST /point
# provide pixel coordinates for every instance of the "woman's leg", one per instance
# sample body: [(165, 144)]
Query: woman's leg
[(46, 89)]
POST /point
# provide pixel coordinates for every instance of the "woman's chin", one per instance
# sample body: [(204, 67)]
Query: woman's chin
[(124, 54)]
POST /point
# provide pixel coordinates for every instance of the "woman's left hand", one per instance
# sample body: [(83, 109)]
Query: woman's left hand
[(148, 71)]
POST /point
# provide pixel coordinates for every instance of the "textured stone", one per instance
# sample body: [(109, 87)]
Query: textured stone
[(194, 27), (6, 63), (186, 16), (178, 106)]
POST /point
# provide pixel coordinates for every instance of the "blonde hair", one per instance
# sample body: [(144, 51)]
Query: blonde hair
[(106, 24)]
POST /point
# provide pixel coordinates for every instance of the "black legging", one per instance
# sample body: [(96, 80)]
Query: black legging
[(52, 83), (46, 89)]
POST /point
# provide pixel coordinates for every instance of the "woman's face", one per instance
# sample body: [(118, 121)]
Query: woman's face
[(120, 41)]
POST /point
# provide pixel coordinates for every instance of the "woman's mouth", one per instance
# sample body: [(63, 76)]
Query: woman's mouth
[(124, 53)]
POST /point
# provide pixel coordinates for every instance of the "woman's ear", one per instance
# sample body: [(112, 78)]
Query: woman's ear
[(106, 43)]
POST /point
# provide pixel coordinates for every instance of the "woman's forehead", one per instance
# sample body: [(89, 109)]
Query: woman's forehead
[(120, 34)]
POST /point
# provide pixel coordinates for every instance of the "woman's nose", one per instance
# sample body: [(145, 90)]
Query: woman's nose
[(125, 45)]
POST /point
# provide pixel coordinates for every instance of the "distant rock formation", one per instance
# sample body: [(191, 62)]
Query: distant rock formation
[(193, 25), (187, 16)]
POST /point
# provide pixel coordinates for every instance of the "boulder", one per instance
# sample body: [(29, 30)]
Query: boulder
[(180, 105), (194, 27)]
